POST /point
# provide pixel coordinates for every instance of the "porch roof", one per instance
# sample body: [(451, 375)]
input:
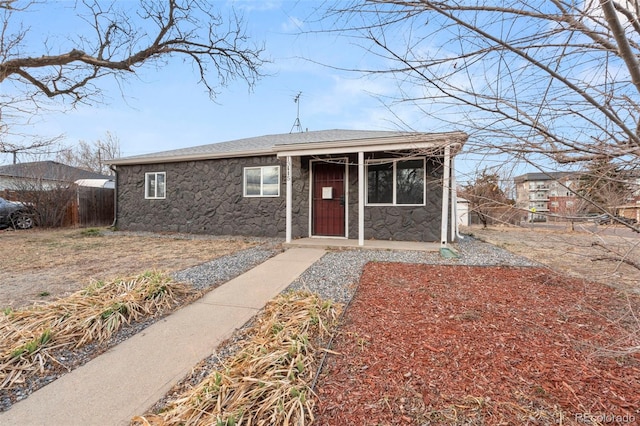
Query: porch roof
[(306, 143), (394, 141)]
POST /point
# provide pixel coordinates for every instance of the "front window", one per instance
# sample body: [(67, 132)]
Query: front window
[(396, 182), (262, 181), (380, 183), (155, 186)]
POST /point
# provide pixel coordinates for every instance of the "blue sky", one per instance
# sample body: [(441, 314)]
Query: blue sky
[(165, 108), (161, 109)]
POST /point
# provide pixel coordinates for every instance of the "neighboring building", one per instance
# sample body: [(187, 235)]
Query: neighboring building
[(462, 212), (62, 195), (545, 195), (333, 183), (43, 175), (631, 210)]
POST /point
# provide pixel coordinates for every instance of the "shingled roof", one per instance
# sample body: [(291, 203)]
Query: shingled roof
[(527, 177), (269, 144), (48, 170)]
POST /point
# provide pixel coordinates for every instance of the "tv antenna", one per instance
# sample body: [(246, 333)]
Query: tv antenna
[(296, 124)]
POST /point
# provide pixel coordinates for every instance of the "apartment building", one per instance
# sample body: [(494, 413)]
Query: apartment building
[(545, 196)]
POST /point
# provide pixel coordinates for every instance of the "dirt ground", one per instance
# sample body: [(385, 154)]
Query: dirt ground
[(572, 252), (41, 265), (460, 345)]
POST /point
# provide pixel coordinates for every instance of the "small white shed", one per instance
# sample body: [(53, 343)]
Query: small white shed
[(462, 209)]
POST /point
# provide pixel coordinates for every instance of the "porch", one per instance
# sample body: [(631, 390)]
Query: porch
[(343, 243), (339, 195)]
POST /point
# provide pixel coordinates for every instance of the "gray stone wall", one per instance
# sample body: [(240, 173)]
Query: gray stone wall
[(404, 223), (205, 197)]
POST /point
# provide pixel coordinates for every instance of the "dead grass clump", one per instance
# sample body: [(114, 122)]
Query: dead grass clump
[(268, 381), (95, 313)]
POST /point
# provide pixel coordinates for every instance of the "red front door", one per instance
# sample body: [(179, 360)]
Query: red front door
[(328, 204)]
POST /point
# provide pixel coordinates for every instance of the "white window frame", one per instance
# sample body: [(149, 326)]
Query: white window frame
[(262, 194), (395, 162), (146, 186)]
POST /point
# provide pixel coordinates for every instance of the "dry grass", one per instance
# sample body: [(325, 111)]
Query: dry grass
[(93, 314), (268, 381), (577, 253), (43, 265)]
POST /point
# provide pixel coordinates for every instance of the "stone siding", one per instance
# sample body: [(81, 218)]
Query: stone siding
[(205, 197), (401, 223)]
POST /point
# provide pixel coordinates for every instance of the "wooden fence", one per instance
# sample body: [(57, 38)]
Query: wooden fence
[(95, 206), (87, 207)]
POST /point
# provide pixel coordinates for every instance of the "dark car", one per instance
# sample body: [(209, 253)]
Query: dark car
[(15, 214), (606, 219)]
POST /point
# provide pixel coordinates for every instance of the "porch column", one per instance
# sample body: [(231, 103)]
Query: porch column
[(445, 195), (289, 199), (361, 190), (454, 201)]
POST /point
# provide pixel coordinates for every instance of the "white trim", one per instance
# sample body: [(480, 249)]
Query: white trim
[(394, 162), (361, 189), (289, 199), (454, 201), (392, 143), (333, 237), (146, 186), (445, 196), (346, 197), (261, 195), (159, 159), (310, 224), (344, 160)]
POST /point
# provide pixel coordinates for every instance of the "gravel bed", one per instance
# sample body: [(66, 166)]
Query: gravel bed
[(222, 269), (203, 277), (335, 275)]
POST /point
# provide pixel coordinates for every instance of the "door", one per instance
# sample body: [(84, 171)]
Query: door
[(328, 199)]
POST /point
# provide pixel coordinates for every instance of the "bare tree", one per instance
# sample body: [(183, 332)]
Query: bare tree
[(122, 42), (92, 156), (49, 193), (604, 186), (488, 201), (117, 40), (557, 79), (552, 84)]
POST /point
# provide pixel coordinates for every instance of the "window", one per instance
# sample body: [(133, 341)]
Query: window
[(396, 182), (262, 181), (155, 185)]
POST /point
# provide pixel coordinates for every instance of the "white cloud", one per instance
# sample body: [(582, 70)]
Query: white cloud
[(259, 5), (292, 24)]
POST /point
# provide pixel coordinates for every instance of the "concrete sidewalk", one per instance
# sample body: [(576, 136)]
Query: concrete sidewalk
[(129, 378)]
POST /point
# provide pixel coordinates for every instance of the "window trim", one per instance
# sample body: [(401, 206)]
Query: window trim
[(395, 162), (146, 186), (262, 194)]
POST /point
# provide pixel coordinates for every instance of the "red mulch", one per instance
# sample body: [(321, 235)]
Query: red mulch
[(481, 345)]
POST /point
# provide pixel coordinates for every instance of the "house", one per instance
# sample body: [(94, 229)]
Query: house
[(352, 184), (546, 195), (43, 175)]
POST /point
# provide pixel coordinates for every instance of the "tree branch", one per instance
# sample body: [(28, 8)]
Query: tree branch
[(184, 28)]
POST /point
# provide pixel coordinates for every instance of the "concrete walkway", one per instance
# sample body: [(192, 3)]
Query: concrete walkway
[(129, 378)]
